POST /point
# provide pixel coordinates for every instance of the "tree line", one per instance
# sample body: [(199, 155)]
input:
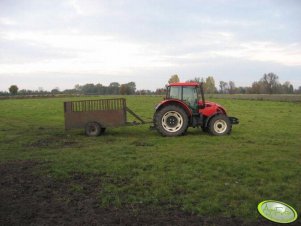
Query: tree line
[(88, 89), (268, 84)]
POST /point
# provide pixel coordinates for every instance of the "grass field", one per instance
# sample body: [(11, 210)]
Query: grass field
[(197, 173)]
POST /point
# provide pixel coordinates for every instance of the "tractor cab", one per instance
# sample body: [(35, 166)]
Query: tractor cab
[(188, 92)]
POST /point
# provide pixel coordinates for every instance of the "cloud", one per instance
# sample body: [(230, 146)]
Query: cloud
[(88, 7), (109, 54), (7, 21), (92, 54), (23, 51), (286, 54), (208, 46)]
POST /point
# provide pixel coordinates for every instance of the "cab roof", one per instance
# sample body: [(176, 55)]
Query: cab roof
[(184, 84)]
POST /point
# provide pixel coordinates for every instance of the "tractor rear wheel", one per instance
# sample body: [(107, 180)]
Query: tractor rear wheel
[(171, 120), (219, 125), (93, 129)]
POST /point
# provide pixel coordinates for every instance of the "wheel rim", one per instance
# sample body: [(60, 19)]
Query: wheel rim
[(92, 129), (220, 126), (172, 121)]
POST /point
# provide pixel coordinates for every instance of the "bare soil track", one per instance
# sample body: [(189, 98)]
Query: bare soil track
[(27, 198)]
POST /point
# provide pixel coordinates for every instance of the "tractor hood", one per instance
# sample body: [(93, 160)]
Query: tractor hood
[(211, 107), (209, 103)]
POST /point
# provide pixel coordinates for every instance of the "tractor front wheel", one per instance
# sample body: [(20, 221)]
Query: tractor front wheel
[(219, 125), (171, 120)]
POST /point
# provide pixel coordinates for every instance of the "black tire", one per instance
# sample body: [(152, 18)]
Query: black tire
[(219, 125), (185, 132), (204, 129), (93, 129), (171, 120)]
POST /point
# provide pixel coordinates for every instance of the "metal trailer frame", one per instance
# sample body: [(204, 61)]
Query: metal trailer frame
[(105, 112)]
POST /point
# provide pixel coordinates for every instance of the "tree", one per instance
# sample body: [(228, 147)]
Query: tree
[(287, 88), (114, 88), (114, 84), (210, 85), (231, 87), (270, 82), (243, 90), (56, 90), (89, 88), (223, 86), (257, 87), (160, 91), (174, 78), (13, 89), (144, 92), (128, 88), (196, 79), (123, 89), (78, 87), (131, 87)]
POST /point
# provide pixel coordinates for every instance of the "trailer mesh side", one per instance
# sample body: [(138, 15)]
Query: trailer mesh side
[(98, 105)]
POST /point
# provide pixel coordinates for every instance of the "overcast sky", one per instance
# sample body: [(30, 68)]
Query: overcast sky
[(60, 43)]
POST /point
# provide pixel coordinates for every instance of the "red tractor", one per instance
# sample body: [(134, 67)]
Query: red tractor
[(182, 108)]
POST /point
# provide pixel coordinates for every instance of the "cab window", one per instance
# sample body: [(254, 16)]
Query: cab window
[(175, 92), (190, 95)]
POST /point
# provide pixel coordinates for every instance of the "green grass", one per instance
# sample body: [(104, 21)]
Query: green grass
[(206, 175)]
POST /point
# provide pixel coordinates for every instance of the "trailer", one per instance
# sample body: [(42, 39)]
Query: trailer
[(96, 115)]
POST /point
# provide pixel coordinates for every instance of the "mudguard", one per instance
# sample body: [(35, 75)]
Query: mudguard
[(177, 102)]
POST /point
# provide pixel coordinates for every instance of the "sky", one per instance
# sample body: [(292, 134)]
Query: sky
[(60, 43)]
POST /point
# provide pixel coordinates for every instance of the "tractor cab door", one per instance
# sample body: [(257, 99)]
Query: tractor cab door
[(190, 97)]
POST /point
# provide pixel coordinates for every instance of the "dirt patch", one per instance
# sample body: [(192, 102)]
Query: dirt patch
[(139, 143), (53, 142), (28, 199)]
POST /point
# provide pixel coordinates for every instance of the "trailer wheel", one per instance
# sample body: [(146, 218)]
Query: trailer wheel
[(171, 121), (219, 125), (93, 129)]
